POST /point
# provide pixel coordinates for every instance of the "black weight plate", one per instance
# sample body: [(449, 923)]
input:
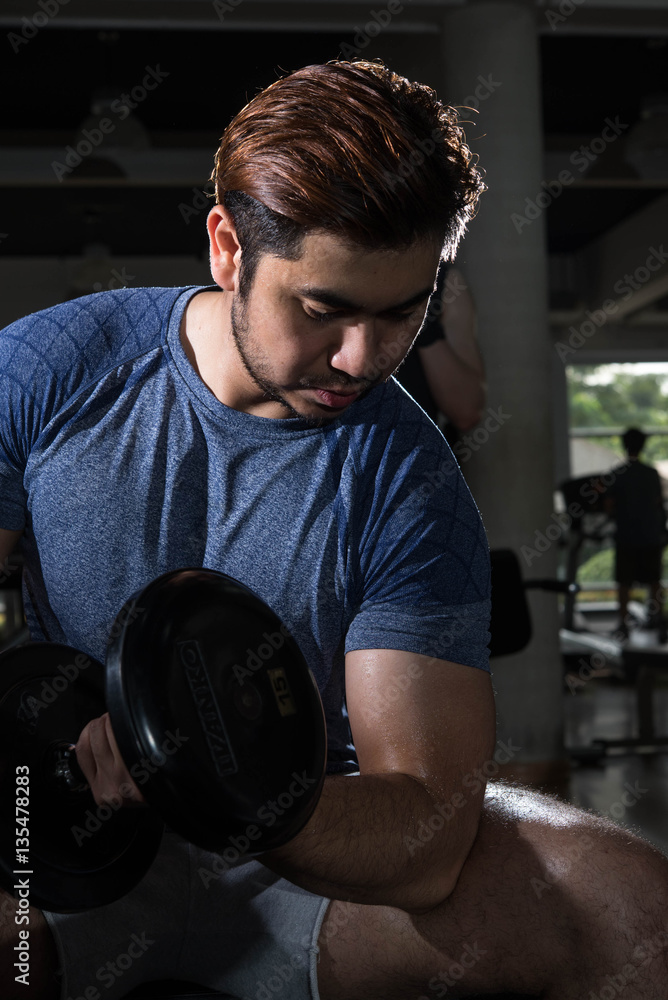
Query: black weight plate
[(202, 675), (81, 855)]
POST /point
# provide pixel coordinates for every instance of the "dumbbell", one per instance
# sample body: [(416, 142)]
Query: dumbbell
[(216, 715)]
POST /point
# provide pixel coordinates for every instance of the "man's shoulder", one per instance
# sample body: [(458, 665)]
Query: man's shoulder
[(642, 470), (120, 309), (390, 434), (414, 429), (76, 340), (390, 407), (48, 357), (651, 477)]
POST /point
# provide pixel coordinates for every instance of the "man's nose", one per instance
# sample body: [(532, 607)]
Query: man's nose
[(357, 350)]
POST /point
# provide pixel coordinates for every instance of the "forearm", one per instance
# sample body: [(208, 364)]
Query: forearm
[(458, 388), (382, 839)]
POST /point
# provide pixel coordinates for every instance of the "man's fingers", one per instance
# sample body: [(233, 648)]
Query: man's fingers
[(85, 756), (97, 738), (111, 742), (128, 788), (101, 762)]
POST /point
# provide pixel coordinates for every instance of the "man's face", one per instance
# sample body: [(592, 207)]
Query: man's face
[(315, 334)]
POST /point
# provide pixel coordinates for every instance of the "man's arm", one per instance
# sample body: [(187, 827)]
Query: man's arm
[(454, 367), (398, 833)]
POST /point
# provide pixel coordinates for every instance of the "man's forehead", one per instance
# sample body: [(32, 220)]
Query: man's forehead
[(353, 273), (319, 244)]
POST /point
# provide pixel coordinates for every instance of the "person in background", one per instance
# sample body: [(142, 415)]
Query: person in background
[(635, 501), (444, 372)]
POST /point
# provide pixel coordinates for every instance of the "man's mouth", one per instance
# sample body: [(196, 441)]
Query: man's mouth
[(335, 400)]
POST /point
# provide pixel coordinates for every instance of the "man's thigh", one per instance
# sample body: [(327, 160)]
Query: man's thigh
[(540, 902)]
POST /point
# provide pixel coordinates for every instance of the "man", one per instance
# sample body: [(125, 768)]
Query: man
[(635, 500), (253, 427)]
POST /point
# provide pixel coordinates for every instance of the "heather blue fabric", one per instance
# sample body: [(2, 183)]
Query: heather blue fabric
[(120, 465)]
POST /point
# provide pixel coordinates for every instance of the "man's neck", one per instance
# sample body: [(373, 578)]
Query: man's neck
[(205, 327)]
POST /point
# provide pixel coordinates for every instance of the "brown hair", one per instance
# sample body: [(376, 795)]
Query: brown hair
[(349, 148)]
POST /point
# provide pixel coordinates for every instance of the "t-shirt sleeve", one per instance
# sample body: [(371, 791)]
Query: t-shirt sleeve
[(44, 357), (423, 576), (40, 363), (18, 366)]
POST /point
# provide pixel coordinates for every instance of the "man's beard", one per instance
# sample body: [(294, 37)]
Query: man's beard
[(241, 334), (257, 371)]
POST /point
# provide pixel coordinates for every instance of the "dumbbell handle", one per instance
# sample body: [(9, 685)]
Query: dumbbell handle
[(66, 769), (67, 772)]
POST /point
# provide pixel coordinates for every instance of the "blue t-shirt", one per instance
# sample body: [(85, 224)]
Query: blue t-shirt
[(120, 465)]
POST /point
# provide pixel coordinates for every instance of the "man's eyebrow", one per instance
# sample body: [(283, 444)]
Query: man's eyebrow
[(334, 301)]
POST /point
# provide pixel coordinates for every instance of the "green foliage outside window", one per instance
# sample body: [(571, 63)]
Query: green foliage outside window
[(599, 396), (614, 396)]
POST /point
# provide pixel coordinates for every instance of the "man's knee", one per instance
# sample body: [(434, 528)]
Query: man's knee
[(639, 881), (644, 870), (28, 957), (588, 852), (600, 861)]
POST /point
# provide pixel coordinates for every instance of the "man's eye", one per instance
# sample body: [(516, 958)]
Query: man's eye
[(404, 317), (319, 317), (393, 317)]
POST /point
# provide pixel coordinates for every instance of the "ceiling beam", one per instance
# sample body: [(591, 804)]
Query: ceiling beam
[(567, 17), (628, 265), (232, 15)]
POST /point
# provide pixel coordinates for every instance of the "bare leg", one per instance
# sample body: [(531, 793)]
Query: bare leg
[(552, 902), (42, 983)]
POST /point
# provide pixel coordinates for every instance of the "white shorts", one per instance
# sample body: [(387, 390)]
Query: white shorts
[(246, 932)]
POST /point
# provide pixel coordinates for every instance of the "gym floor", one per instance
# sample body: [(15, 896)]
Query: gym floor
[(630, 788)]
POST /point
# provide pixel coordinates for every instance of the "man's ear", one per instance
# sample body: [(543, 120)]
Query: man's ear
[(224, 249)]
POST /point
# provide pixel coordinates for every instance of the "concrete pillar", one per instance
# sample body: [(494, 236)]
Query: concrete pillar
[(560, 428), (491, 61)]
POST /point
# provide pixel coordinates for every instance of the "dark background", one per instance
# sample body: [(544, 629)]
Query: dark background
[(49, 82)]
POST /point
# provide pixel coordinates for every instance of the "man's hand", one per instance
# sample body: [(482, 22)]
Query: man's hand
[(100, 760)]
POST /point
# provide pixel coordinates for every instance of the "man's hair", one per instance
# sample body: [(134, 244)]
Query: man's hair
[(351, 149), (633, 440)]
